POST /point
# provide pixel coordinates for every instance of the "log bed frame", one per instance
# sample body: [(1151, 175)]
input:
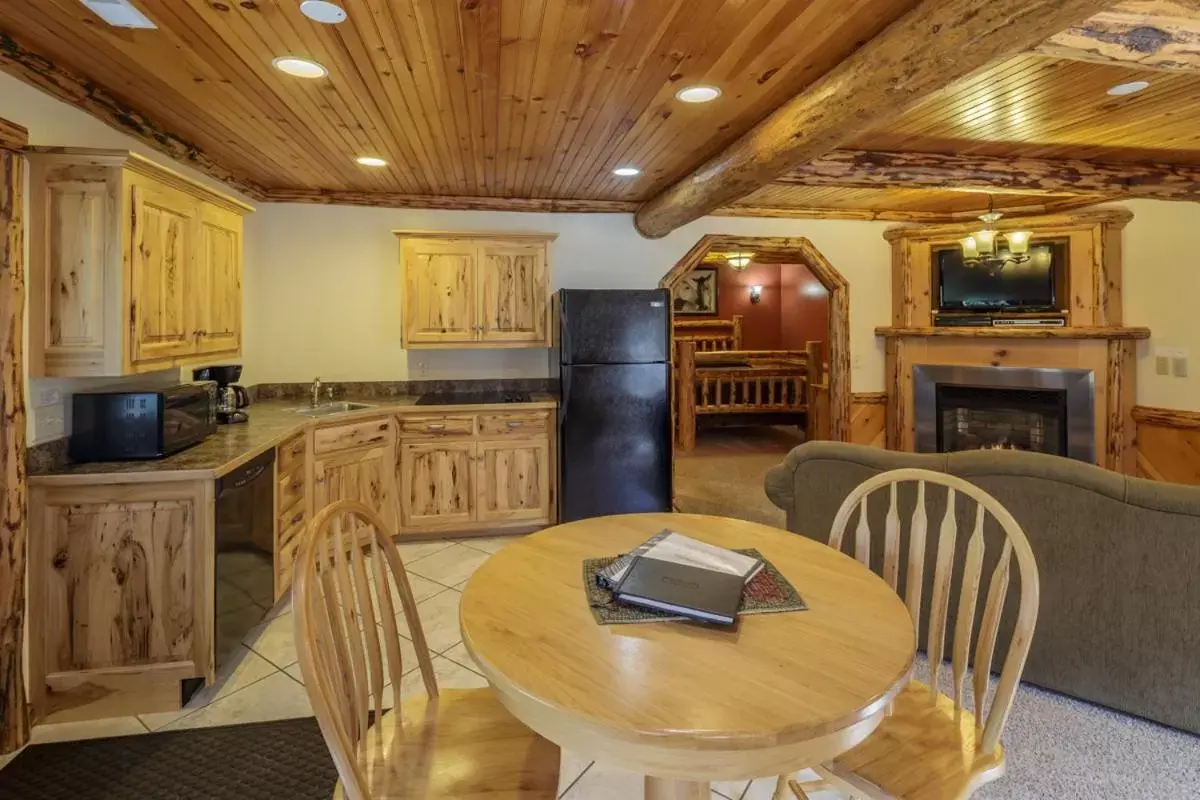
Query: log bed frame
[(708, 334), (724, 381)]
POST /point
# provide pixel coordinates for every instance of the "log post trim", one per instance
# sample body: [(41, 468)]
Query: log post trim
[(14, 505)]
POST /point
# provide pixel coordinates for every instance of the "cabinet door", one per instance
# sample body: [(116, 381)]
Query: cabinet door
[(514, 481), (513, 293), (120, 596), (439, 289), (362, 475), (163, 230), (437, 484), (218, 293)]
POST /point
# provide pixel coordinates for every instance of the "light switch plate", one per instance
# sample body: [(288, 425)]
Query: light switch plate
[(1162, 365), (1179, 366)]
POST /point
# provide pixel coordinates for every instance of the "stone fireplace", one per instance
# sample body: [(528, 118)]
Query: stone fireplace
[(1037, 409)]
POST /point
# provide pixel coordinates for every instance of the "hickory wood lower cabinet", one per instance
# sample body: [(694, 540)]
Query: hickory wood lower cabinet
[(120, 597), (467, 472)]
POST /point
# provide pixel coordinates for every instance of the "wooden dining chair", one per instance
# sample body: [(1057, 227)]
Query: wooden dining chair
[(455, 743), (932, 746)]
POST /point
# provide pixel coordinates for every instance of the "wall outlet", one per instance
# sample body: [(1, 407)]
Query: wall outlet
[(50, 423)]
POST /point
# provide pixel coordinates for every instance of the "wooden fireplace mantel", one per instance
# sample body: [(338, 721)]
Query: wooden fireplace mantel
[(1109, 333), (1093, 338)]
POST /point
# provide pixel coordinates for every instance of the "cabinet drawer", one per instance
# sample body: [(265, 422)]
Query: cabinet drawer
[(290, 491), (516, 423), (345, 437), (437, 425), (289, 537), (291, 453)]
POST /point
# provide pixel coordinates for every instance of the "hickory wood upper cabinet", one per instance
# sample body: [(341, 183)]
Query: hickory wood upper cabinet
[(475, 289), (133, 267)]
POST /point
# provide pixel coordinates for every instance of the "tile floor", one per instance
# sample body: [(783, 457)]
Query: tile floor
[(262, 681)]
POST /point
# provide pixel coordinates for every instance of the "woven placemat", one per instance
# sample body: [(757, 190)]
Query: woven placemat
[(767, 593)]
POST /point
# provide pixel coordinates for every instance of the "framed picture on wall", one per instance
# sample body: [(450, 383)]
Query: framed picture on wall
[(697, 293)]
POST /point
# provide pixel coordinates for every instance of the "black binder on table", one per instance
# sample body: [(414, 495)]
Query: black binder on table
[(700, 594)]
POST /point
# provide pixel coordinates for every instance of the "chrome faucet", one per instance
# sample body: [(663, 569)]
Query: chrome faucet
[(315, 393)]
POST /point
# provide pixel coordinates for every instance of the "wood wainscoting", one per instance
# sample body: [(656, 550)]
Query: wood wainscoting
[(1168, 444), (868, 418)]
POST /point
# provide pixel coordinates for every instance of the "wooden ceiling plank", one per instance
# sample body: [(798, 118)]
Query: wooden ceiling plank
[(19, 60), (924, 51), (399, 68), (817, 45), (596, 41), (271, 32), (1150, 34), (524, 60), (540, 66), (216, 45), (369, 59), (440, 24), (424, 58), (564, 56), (172, 106), (590, 158), (349, 97), (487, 35)]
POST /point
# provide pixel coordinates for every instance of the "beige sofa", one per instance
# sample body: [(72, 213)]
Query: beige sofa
[(1119, 558)]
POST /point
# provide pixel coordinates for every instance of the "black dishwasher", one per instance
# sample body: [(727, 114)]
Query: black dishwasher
[(245, 569)]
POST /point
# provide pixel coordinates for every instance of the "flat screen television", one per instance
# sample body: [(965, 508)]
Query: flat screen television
[(1029, 286)]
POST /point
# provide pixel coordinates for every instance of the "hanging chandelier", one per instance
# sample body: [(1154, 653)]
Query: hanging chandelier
[(990, 250)]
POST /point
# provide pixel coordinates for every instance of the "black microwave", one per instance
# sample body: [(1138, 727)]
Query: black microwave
[(135, 424)]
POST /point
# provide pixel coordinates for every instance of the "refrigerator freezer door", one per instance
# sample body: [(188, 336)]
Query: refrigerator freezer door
[(605, 326), (614, 440)]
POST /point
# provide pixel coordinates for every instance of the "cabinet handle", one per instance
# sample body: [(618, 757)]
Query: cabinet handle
[(435, 426), (514, 423)]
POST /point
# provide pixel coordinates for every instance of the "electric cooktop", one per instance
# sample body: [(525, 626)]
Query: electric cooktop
[(471, 398)]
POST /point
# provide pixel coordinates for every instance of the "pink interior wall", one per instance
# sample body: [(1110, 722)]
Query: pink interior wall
[(804, 307), (760, 321)]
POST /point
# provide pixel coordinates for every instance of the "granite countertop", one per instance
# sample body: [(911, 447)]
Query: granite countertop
[(271, 422)]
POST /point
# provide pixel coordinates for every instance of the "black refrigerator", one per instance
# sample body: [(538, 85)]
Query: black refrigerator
[(615, 414)]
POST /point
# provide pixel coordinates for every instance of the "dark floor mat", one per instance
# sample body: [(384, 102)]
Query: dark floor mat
[(284, 760)]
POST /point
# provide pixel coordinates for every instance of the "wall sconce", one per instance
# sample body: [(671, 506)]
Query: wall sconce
[(755, 294)]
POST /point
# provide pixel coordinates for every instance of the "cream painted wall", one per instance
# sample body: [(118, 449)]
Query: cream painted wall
[(1162, 291), (322, 286)]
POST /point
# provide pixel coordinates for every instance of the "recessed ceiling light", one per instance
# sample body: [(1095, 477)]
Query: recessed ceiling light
[(300, 67), (698, 94), (626, 172), (371, 161), (119, 14), (323, 11), (1133, 87)]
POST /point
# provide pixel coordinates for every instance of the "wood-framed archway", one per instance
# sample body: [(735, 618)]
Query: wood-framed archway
[(793, 250)]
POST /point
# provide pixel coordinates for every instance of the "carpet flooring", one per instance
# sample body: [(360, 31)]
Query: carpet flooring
[(261, 761), (723, 475)]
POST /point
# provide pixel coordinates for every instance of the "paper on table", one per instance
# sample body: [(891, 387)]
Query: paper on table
[(681, 549)]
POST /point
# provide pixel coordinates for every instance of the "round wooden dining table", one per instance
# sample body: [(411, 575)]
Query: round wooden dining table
[(686, 704)]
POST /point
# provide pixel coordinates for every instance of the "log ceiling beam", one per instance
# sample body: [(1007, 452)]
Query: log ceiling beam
[(896, 215), (1148, 34), (862, 169), (458, 202), (926, 50)]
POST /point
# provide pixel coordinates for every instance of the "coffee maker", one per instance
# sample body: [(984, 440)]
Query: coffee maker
[(231, 398)]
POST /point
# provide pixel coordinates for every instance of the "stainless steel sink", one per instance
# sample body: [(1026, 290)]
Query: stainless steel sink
[(332, 408)]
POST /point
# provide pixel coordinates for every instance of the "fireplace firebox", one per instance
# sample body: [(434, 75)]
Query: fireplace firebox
[(973, 408)]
